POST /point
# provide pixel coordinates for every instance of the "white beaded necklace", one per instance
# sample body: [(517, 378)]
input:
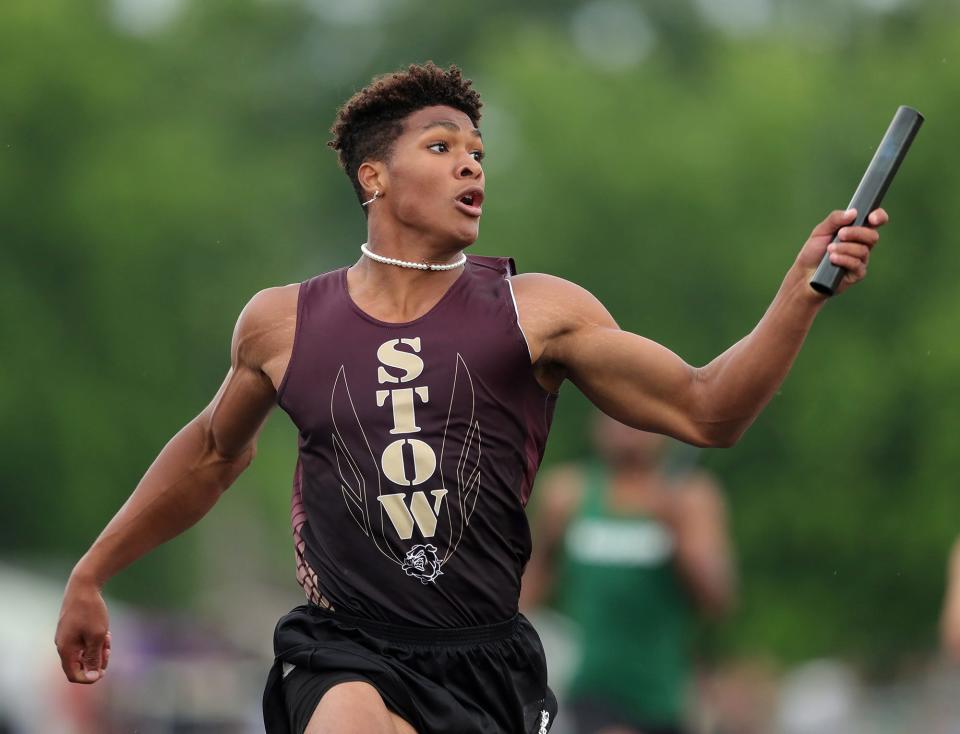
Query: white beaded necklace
[(407, 264)]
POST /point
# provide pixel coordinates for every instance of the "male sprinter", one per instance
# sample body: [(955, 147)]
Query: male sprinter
[(422, 383)]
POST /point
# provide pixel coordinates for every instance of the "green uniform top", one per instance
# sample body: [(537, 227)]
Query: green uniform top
[(619, 585)]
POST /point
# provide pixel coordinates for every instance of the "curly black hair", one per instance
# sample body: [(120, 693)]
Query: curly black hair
[(371, 120)]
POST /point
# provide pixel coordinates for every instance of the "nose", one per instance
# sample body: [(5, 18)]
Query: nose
[(470, 168)]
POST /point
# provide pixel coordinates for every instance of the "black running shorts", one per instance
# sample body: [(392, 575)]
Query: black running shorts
[(469, 680)]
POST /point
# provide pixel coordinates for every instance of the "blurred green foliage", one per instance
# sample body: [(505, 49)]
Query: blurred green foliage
[(153, 178)]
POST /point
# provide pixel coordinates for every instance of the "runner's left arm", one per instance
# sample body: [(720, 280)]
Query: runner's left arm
[(640, 383)]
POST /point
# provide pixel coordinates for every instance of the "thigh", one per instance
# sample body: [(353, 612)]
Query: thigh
[(355, 707)]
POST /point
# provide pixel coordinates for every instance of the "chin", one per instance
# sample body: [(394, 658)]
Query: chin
[(467, 237)]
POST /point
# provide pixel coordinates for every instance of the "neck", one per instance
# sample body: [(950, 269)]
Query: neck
[(388, 239), (396, 294), (396, 278), (412, 265)]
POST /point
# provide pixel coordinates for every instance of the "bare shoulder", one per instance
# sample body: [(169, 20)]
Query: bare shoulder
[(264, 333), (550, 308), (543, 295), (566, 477), (700, 491), (558, 491), (271, 304)]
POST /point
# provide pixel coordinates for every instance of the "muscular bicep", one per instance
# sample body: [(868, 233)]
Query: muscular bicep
[(629, 377), (235, 415), (634, 380), (260, 348)]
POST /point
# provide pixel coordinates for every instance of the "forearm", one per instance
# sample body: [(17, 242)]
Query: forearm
[(180, 487), (735, 386), (710, 579)]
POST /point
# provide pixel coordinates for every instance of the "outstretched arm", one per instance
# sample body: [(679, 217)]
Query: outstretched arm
[(642, 384), (187, 478), (703, 556)]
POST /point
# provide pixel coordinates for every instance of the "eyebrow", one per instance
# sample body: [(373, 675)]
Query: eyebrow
[(450, 125)]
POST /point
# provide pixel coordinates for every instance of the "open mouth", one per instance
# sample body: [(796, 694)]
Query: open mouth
[(470, 202)]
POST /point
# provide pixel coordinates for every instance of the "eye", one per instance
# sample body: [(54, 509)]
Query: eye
[(442, 146), (477, 155)]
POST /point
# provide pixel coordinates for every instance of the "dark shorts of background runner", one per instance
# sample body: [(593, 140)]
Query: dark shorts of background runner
[(469, 680)]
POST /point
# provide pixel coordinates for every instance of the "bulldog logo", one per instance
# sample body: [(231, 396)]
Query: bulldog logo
[(421, 562)]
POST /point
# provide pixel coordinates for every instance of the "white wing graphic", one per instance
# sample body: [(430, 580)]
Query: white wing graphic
[(465, 456), (468, 471), (349, 443), (351, 483)]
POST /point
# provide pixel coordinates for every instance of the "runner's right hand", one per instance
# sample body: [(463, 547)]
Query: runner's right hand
[(83, 632)]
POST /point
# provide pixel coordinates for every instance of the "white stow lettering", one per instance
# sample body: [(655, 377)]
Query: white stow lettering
[(438, 495), (410, 363), (418, 513), (404, 419), (398, 513), (424, 462), (425, 517)]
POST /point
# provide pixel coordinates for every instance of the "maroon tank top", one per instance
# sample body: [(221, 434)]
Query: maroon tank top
[(419, 443)]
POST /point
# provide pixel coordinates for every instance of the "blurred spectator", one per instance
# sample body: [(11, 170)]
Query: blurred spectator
[(739, 696), (820, 697), (950, 621), (628, 550)]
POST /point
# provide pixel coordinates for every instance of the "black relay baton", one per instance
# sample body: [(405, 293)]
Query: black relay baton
[(893, 149)]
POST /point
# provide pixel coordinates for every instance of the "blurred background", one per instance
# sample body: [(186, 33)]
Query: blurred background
[(163, 160)]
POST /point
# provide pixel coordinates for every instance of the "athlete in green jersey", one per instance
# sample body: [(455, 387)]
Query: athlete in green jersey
[(630, 554)]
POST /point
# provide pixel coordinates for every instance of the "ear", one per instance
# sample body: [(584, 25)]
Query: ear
[(372, 176)]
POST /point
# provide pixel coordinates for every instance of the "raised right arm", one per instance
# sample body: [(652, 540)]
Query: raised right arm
[(187, 478)]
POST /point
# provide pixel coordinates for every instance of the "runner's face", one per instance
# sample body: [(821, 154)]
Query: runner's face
[(435, 175)]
